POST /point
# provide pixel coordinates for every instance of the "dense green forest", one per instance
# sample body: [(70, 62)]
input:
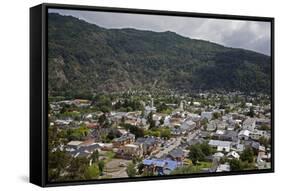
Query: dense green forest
[(84, 58)]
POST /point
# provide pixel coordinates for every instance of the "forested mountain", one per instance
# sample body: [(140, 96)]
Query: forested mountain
[(85, 58)]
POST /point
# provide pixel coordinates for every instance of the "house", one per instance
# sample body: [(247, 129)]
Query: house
[(218, 155), (141, 122), (85, 151), (244, 134), (227, 118), (249, 124), (122, 131), (79, 148), (233, 155), (117, 116), (176, 121), (257, 146), (257, 134), (89, 116), (129, 151), (81, 102), (206, 115), (211, 126), (167, 121), (221, 125), (216, 124), (87, 143), (219, 133), (123, 140), (106, 146), (132, 121), (231, 127), (177, 131), (61, 122), (262, 156), (226, 135), (223, 168), (238, 147), (248, 104), (156, 118), (195, 141), (73, 145), (204, 134), (220, 145), (177, 154), (194, 117), (263, 121), (262, 148), (80, 153), (147, 144), (188, 125), (236, 116), (159, 166)]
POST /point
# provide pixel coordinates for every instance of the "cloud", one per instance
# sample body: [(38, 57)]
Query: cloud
[(251, 35)]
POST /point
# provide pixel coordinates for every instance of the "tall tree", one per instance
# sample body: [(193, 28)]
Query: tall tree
[(95, 156), (247, 155), (101, 165), (236, 165), (131, 170), (196, 154), (92, 172)]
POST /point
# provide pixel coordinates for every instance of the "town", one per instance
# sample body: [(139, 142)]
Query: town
[(138, 133)]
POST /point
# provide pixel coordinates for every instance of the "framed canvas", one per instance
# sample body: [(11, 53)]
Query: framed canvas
[(121, 95)]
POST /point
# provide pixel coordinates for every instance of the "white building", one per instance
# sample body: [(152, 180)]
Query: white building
[(207, 115), (223, 168), (167, 121), (233, 155), (248, 104), (220, 145), (244, 134)]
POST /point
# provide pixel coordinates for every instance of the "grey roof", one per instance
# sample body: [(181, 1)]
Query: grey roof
[(187, 125), (176, 153), (91, 148), (204, 134), (125, 137), (249, 121), (255, 145), (195, 141), (146, 140), (230, 135), (219, 143), (81, 152), (176, 130)]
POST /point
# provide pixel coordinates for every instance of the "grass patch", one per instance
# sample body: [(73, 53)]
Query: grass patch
[(204, 164), (109, 155)]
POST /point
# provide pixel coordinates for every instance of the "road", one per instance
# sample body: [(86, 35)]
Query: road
[(175, 144)]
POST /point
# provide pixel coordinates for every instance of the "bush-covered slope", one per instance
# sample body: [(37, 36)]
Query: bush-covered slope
[(85, 58)]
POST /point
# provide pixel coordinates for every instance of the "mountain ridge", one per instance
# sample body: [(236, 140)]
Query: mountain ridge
[(85, 58)]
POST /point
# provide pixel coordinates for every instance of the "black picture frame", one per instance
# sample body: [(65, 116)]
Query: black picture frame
[(39, 85)]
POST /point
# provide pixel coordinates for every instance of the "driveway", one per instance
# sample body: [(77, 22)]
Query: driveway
[(114, 170)]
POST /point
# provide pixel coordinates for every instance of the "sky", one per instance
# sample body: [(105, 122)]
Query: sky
[(251, 35)]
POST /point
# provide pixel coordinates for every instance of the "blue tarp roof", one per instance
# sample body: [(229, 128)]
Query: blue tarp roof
[(169, 164)]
